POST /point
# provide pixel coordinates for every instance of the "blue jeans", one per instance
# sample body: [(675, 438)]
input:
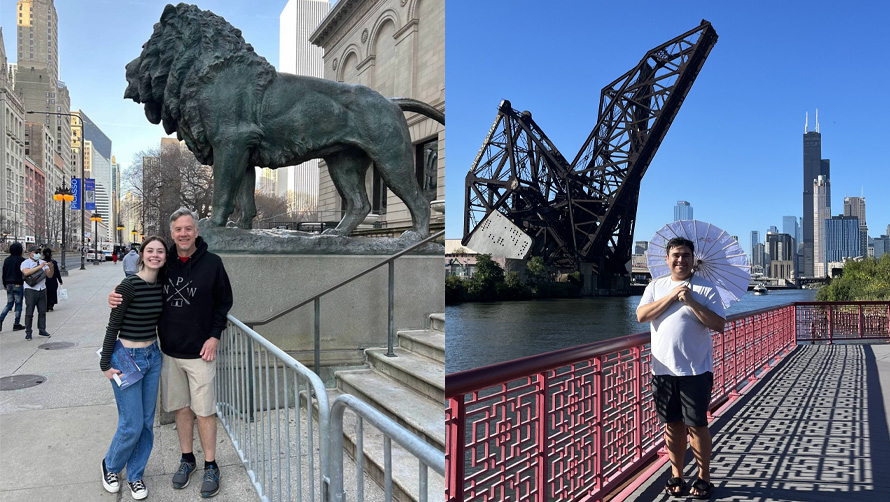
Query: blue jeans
[(134, 438), (14, 294)]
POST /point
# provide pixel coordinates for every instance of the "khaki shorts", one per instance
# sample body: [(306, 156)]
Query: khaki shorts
[(189, 383)]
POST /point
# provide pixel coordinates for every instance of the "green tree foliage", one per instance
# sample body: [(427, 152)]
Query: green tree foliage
[(455, 289), (866, 280), (488, 275)]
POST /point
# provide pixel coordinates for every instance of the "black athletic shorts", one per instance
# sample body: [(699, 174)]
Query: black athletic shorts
[(683, 398)]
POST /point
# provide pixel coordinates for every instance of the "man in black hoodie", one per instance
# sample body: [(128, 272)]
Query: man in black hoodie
[(197, 298), (13, 283)]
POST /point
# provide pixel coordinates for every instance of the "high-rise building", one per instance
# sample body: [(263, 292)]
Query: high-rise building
[(780, 248), (755, 239), (842, 238), (299, 18), (37, 72), (758, 258), (855, 206), (683, 211), (821, 212), (97, 158), (881, 245), (792, 228), (813, 167), (641, 247), (12, 153)]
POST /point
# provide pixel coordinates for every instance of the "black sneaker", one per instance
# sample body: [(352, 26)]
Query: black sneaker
[(17, 327), (45, 334), (110, 480), (210, 486), (138, 489), (182, 476), (27, 337)]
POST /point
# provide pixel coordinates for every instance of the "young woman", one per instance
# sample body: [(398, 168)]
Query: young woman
[(52, 283), (134, 322)]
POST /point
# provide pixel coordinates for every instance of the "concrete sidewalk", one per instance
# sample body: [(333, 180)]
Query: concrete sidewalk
[(54, 435)]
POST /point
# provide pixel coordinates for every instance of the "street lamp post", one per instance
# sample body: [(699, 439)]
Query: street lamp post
[(82, 182), (133, 240), (120, 229), (97, 217), (63, 194)]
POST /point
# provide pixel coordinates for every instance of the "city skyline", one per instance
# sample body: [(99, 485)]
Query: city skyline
[(734, 149)]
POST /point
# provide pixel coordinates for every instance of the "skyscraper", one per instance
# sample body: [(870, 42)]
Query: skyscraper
[(821, 211), (842, 238), (299, 18), (755, 239), (683, 211), (813, 166), (855, 206), (792, 228)]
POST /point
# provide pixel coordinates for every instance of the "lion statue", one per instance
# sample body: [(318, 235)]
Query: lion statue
[(198, 76)]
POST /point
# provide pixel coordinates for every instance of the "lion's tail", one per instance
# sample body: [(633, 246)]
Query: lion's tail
[(413, 105)]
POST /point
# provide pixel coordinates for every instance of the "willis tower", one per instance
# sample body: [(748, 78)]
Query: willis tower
[(813, 166)]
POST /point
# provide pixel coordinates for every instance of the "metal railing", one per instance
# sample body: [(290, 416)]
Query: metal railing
[(830, 322), (427, 455), (276, 412), (575, 424), (316, 300)]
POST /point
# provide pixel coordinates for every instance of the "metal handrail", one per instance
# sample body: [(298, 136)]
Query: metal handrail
[(316, 299)]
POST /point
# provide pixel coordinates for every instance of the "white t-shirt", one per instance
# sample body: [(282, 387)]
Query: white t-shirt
[(681, 343), (29, 263)]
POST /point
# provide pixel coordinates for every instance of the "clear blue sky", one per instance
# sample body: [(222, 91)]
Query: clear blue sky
[(735, 150), (97, 38)]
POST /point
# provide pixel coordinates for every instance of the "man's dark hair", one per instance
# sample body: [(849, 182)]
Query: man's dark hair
[(15, 248), (678, 242)]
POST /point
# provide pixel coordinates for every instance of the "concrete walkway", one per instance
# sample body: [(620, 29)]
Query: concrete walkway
[(54, 435), (815, 429)]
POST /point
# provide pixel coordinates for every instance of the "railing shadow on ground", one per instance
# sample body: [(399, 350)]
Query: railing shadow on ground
[(815, 429)]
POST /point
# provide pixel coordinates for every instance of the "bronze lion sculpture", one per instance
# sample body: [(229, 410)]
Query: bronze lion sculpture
[(198, 76)]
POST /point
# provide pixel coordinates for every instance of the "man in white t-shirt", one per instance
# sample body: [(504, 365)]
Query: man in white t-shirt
[(682, 310), (35, 296)]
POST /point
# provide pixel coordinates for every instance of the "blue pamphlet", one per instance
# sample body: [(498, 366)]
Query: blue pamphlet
[(123, 361)]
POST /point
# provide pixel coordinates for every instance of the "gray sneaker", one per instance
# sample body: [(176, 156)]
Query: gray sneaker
[(182, 476), (210, 486)]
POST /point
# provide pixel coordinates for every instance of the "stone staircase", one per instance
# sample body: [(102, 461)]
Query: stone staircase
[(410, 389)]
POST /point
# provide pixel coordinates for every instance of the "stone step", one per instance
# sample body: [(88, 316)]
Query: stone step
[(427, 342), (437, 322), (405, 466), (417, 413), (421, 373)]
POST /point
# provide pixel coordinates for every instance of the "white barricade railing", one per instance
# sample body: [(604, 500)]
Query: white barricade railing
[(265, 400), (427, 455)]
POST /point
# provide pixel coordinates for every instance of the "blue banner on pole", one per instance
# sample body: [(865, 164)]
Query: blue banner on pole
[(76, 191), (89, 194)]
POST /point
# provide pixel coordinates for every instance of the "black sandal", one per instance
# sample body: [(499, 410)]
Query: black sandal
[(705, 489), (671, 487)]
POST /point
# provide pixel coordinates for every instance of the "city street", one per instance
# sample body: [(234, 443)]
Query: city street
[(53, 435)]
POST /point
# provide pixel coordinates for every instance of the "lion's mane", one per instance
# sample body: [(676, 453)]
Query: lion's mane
[(187, 50)]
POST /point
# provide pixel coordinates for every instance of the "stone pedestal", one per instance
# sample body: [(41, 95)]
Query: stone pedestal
[(353, 317)]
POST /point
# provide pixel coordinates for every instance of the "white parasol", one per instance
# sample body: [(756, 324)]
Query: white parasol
[(717, 257)]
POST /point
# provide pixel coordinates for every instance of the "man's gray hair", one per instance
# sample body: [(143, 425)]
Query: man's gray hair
[(182, 212)]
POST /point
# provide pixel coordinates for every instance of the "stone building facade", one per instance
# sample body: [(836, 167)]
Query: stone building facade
[(396, 47)]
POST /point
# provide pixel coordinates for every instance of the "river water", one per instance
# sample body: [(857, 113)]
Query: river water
[(484, 333)]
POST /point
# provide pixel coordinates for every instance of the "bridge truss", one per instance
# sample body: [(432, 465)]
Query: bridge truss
[(584, 211)]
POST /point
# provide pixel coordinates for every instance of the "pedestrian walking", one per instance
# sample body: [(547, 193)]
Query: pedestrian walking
[(682, 309), (52, 283), (13, 283), (114, 257), (35, 294), (197, 298), (130, 261), (134, 322)]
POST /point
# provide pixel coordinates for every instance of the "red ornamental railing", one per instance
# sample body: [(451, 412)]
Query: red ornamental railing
[(575, 424)]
